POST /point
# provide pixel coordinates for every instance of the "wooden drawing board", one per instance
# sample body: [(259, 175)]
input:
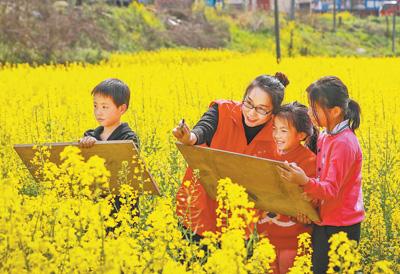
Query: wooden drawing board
[(114, 153), (258, 175)]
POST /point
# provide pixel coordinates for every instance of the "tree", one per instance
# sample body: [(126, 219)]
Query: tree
[(277, 38), (394, 33), (334, 15), (292, 9)]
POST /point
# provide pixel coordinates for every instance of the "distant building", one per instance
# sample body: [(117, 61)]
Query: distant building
[(286, 5), (260, 5), (245, 4), (357, 6)]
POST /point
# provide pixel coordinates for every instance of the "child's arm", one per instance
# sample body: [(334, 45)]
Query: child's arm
[(132, 136), (340, 161)]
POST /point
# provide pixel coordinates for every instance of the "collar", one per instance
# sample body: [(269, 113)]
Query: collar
[(339, 128), (99, 130)]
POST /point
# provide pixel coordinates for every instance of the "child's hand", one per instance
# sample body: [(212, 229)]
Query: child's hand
[(292, 173), (301, 218), (182, 134), (314, 202), (87, 141)]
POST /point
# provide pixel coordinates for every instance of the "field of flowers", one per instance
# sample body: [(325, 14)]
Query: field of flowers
[(59, 225)]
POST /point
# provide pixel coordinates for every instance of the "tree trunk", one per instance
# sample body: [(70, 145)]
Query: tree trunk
[(387, 27), (334, 15), (277, 38), (394, 34), (292, 9)]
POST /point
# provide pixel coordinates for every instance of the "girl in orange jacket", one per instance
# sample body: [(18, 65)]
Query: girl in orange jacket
[(291, 127)]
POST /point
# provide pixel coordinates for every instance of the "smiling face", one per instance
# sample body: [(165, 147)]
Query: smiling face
[(285, 135), (106, 112), (256, 102)]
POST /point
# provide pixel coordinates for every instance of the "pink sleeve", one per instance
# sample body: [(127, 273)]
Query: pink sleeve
[(339, 164)]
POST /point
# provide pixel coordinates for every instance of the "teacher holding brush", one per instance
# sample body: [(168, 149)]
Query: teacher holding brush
[(242, 127)]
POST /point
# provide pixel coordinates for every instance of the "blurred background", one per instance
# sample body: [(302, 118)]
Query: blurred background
[(48, 31)]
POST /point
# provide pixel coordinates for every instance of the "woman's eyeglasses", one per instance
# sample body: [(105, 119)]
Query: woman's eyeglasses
[(259, 110)]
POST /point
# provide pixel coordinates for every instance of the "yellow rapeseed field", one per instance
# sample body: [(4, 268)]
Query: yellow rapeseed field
[(60, 226)]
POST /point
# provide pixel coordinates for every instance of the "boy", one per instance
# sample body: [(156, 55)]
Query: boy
[(111, 100)]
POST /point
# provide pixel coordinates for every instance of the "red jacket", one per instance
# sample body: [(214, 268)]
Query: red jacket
[(195, 208), (338, 181), (280, 230)]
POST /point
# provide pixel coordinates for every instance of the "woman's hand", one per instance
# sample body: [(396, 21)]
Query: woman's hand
[(292, 173), (183, 134)]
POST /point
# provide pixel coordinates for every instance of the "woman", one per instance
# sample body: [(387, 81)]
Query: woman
[(242, 127)]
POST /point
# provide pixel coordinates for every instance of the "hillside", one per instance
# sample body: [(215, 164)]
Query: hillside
[(40, 33)]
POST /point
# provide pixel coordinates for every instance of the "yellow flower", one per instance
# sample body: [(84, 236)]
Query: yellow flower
[(64, 222)]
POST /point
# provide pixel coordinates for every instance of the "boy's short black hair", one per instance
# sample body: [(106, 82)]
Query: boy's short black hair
[(114, 88)]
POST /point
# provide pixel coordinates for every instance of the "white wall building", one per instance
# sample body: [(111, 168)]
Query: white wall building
[(285, 5)]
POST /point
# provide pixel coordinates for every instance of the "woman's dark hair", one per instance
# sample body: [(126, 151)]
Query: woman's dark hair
[(114, 88), (329, 92), (273, 85), (297, 116)]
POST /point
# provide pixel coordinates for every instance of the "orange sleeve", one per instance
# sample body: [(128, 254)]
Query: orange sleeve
[(307, 160), (310, 167)]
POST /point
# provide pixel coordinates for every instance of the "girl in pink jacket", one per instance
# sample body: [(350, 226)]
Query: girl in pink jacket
[(338, 182)]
